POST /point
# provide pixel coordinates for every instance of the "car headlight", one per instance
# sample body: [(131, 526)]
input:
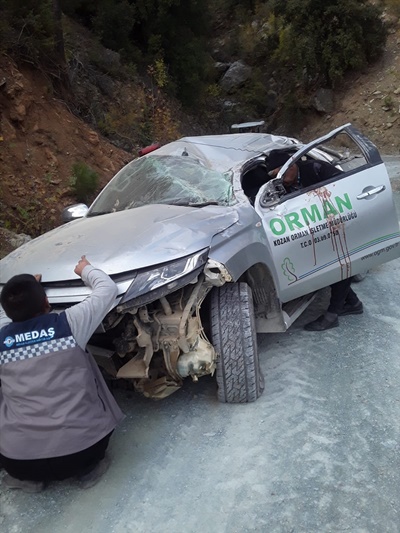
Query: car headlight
[(150, 285)]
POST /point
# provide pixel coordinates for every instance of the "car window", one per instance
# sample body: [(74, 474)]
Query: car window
[(345, 153), (176, 180)]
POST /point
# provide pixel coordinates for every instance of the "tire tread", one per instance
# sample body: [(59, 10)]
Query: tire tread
[(239, 376)]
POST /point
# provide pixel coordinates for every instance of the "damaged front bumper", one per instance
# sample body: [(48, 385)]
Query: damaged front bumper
[(159, 339)]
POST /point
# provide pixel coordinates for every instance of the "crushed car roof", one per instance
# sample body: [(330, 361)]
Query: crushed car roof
[(223, 152)]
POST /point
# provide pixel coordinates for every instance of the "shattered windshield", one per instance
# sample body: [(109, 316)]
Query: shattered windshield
[(174, 180)]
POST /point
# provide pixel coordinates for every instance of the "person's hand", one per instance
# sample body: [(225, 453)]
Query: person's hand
[(81, 265), (38, 277)]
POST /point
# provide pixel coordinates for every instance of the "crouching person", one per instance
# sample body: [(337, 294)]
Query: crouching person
[(56, 412)]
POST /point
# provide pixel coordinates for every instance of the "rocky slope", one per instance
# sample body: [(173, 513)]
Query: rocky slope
[(370, 100), (40, 140)]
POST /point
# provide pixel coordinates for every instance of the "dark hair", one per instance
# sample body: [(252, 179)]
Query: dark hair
[(277, 158), (23, 297)]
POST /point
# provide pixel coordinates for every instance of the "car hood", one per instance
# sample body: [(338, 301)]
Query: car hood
[(119, 242)]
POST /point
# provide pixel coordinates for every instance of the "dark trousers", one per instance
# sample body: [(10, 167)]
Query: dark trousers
[(57, 468), (341, 293)]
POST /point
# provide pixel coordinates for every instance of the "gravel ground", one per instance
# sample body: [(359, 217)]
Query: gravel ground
[(318, 452)]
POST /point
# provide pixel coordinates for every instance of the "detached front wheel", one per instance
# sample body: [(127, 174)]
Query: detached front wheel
[(233, 334)]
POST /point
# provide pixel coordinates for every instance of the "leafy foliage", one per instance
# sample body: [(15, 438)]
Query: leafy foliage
[(341, 35), (111, 15), (293, 46), (171, 31), (28, 29), (84, 181), (142, 122), (297, 46)]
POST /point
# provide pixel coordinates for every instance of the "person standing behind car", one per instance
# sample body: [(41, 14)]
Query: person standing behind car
[(56, 412), (343, 301)]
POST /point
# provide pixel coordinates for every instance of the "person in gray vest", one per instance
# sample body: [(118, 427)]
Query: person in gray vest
[(56, 411)]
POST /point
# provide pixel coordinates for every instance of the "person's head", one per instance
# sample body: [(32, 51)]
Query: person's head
[(23, 297), (276, 160)]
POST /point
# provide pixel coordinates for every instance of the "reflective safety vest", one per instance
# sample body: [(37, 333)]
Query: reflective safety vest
[(53, 399)]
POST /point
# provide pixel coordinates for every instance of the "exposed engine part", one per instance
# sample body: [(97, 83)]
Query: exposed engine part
[(171, 353), (199, 362), (163, 342), (144, 315), (139, 365), (166, 306), (157, 388), (194, 297), (124, 346)]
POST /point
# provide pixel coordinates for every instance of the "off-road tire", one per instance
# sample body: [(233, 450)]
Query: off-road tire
[(233, 334)]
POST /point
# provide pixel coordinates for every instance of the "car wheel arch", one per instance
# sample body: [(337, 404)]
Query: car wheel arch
[(265, 296)]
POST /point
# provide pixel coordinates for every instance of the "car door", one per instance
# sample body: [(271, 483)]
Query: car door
[(333, 230)]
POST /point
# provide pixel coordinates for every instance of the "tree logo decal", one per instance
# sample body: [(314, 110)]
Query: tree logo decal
[(289, 270)]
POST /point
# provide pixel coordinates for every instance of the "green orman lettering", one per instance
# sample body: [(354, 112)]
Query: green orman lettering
[(293, 221), (329, 209), (277, 226), (343, 202), (309, 215), (313, 216)]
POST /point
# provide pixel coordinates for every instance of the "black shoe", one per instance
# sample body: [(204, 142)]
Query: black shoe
[(348, 309), (322, 323)]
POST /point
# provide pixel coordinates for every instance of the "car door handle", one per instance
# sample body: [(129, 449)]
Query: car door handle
[(371, 192)]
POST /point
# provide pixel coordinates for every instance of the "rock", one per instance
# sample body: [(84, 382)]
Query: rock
[(221, 68), (18, 113), (323, 101), (228, 104), (219, 53), (15, 86), (9, 241), (235, 76), (390, 20), (19, 239), (8, 131), (93, 138), (50, 156)]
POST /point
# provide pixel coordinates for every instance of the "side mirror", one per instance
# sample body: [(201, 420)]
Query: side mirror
[(73, 212)]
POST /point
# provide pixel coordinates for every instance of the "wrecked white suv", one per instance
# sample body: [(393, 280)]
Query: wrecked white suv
[(207, 250)]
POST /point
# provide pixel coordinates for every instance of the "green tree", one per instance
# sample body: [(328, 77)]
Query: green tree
[(114, 23), (32, 29), (174, 31), (322, 40), (84, 181)]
